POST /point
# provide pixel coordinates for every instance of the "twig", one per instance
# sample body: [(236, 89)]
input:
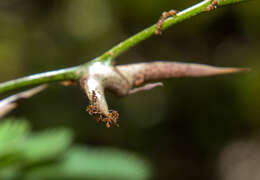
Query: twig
[(41, 78), (9, 103), (100, 73), (75, 73), (194, 10), (127, 79)]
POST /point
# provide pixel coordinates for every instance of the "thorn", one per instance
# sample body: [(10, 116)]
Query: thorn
[(230, 70), (93, 110), (9, 103), (146, 87)]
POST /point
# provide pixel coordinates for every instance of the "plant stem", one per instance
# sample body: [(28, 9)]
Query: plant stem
[(36, 79), (227, 2), (150, 31), (108, 57)]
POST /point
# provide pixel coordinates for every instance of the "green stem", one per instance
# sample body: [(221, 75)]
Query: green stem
[(41, 78), (227, 2), (108, 57), (150, 31)]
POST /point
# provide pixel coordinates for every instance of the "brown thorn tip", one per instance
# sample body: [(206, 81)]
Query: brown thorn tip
[(219, 71), (235, 70)]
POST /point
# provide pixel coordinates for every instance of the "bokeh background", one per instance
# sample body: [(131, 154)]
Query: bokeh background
[(192, 128)]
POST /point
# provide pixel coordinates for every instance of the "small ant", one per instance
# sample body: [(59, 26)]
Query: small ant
[(111, 53), (92, 109), (111, 118), (94, 97), (164, 16), (212, 6), (114, 115)]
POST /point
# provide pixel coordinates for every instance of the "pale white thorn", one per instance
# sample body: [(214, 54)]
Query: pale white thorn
[(92, 86)]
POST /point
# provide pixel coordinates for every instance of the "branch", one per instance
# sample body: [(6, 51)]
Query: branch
[(75, 73), (41, 78), (9, 103), (124, 80), (150, 31), (99, 74)]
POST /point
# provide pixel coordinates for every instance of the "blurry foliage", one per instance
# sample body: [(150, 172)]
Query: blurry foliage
[(181, 127), (49, 155)]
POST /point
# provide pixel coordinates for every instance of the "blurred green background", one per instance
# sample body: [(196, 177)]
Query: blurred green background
[(184, 129)]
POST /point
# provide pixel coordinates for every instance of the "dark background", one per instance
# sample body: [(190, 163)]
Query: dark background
[(188, 129)]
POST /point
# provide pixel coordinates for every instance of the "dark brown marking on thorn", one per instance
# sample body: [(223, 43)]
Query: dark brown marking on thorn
[(139, 79)]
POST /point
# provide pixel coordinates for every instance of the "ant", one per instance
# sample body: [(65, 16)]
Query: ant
[(212, 6), (110, 119), (92, 109), (164, 16)]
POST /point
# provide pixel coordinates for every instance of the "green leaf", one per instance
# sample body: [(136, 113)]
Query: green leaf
[(44, 156), (21, 150), (82, 163), (12, 135), (47, 145)]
